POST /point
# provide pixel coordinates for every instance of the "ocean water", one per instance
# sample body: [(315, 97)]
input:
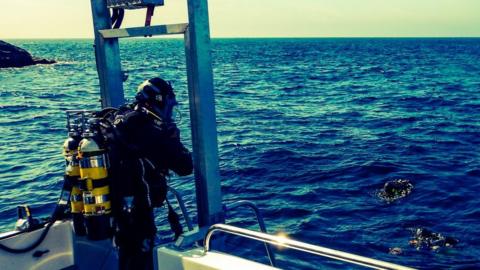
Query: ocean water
[(309, 129)]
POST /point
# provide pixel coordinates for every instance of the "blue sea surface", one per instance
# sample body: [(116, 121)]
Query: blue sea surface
[(309, 129)]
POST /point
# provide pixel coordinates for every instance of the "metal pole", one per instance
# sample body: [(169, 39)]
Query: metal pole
[(202, 115), (107, 55)]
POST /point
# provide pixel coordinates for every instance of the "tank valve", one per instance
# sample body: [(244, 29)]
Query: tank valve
[(25, 221)]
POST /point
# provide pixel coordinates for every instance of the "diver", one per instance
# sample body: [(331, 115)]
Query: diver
[(146, 146), (426, 239), (396, 189)]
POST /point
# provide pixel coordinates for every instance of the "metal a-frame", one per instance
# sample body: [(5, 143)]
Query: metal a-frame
[(200, 88)]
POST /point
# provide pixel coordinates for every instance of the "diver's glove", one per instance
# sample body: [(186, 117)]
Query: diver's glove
[(172, 131)]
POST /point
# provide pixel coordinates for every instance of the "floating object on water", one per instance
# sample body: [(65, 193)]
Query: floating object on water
[(395, 251), (426, 239), (396, 189)]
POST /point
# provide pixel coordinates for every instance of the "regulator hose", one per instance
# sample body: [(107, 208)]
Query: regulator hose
[(32, 246), (57, 213), (118, 22), (117, 17)]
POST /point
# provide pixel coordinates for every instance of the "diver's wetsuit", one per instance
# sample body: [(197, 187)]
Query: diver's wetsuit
[(143, 152)]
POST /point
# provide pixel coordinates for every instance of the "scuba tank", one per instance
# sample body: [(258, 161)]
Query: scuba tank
[(72, 176), (95, 188)]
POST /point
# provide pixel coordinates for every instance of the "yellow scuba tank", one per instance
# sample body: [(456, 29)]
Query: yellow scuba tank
[(95, 189), (72, 175)]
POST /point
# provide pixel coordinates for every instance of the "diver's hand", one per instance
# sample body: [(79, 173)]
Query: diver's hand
[(173, 132)]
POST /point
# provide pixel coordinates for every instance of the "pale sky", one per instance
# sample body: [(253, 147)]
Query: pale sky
[(260, 18)]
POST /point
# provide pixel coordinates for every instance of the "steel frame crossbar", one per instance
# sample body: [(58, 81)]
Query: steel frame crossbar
[(157, 30)]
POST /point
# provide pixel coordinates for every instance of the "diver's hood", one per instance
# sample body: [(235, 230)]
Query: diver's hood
[(157, 96)]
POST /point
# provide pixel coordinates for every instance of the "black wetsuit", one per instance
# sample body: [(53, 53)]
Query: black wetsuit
[(143, 152)]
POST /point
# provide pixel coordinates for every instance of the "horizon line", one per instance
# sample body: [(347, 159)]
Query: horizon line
[(254, 37)]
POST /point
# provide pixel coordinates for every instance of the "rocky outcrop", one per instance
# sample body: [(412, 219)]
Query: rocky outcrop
[(13, 56)]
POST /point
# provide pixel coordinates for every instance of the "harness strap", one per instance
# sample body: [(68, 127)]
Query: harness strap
[(147, 186)]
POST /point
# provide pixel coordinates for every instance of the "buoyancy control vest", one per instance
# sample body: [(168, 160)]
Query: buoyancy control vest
[(134, 172), (142, 150)]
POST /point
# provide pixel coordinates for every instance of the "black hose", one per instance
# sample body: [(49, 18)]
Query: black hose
[(174, 221), (105, 112), (32, 246), (119, 20), (55, 216), (114, 16)]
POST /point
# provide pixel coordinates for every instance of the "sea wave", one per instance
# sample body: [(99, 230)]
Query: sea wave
[(309, 129)]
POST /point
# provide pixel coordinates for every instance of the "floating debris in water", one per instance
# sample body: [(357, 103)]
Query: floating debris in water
[(425, 239), (395, 251), (396, 189)]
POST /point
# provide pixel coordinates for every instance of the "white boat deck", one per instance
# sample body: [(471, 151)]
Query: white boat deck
[(61, 249), (196, 259)]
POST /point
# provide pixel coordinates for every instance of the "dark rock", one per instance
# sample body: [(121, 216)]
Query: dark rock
[(43, 61), (13, 56)]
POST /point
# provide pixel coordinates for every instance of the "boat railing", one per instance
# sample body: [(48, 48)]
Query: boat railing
[(261, 223), (300, 246)]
